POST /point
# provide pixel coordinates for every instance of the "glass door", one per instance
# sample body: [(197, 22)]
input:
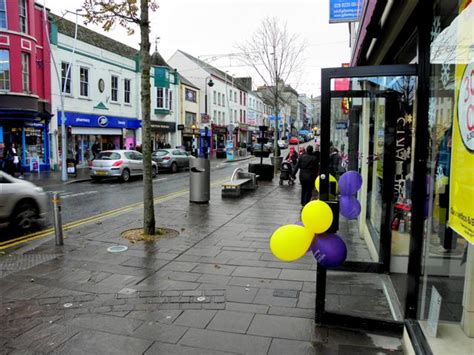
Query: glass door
[(368, 120)]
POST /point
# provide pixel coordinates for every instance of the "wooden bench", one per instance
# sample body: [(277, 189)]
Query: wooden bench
[(239, 181)]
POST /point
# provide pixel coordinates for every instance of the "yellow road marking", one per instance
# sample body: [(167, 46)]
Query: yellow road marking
[(68, 226)]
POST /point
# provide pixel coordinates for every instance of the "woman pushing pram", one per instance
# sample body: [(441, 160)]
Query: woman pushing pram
[(288, 166)]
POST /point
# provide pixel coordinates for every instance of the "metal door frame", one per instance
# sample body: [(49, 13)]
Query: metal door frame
[(323, 317)]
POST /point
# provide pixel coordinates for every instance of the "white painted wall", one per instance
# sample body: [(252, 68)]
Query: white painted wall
[(102, 64)]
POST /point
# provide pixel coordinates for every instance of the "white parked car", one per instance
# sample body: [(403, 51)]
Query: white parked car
[(21, 202), (282, 144)]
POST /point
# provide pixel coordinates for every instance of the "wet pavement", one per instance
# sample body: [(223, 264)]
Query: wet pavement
[(85, 198), (213, 289)]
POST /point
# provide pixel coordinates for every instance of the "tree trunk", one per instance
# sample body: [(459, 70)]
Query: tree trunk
[(148, 205), (275, 133)]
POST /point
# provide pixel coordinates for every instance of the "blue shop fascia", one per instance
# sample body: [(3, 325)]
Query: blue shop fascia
[(89, 133), (29, 132)]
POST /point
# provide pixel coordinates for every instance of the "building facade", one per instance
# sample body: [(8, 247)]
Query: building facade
[(404, 121), (190, 118), (99, 79), (223, 102), (25, 83)]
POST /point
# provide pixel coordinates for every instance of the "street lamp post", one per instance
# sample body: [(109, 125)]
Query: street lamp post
[(207, 83)]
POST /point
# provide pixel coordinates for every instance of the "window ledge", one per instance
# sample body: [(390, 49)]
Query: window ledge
[(86, 98), (115, 103)]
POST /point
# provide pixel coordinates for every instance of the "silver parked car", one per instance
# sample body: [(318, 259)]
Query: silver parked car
[(119, 163), (171, 159), (21, 202)]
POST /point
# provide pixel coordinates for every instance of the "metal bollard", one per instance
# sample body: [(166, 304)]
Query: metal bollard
[(58, 224)]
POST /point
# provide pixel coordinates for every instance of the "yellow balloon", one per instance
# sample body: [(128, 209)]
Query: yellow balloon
[(290, 242), (331, 179), (317, 216)]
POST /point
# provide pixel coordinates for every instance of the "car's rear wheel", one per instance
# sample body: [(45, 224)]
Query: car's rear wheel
[(174, 168), (154, 171), (25, 215), (125, 175)]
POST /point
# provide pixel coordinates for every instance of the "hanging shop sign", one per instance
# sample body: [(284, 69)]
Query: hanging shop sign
[(345, 10), (461, 189)]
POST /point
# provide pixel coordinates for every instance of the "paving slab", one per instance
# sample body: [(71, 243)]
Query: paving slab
[(161, 332), (285, 347), (282, 327), (195, 318), (96, 342), (231, 321), (159, 348), (222, 341)]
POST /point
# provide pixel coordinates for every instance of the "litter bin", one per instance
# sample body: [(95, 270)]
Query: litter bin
[(199, 180)]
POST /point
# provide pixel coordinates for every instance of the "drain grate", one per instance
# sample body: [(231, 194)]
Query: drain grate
[(13, 263)]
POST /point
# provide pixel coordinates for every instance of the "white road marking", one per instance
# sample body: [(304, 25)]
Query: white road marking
[(162, 179), (79, 194)]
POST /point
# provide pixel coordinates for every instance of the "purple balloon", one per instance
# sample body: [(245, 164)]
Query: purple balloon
[(349, 207), (329, 250), (350, 182)]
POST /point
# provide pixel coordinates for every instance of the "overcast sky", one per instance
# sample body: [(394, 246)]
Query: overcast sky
[(210, 30)]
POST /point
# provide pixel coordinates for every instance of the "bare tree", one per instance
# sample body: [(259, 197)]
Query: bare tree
[(128, 14), (274, 53)]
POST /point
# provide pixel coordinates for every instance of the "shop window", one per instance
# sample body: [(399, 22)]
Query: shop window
[(114, 88), (23, 11), (447, 253), (25, 72), (190, 118), (4, 70), (190, 95), (66, 78), (3, 15), (84, 82), (126, 90)]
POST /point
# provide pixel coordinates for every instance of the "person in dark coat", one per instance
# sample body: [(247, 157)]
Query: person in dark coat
[(308, 166)]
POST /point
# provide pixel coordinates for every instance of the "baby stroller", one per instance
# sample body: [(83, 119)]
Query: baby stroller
[(286, 173)]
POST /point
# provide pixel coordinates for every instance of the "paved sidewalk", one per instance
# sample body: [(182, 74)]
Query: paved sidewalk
[(214, 289), (53, 178)]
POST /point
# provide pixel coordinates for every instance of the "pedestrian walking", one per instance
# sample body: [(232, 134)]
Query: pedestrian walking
[(16, 162), (308, 166)]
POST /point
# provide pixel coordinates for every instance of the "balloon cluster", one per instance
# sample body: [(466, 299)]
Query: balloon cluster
[(349, 183), (291, 242)]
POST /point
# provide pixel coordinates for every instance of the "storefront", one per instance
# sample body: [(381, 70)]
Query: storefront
[(161, 134), (219, 137), (188, 136), (408, 129), (31, 139), (89, 134)]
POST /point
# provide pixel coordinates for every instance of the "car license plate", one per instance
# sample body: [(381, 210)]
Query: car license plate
[(101, 172)]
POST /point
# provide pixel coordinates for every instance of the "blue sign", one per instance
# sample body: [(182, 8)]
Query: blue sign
[(272, 118), (1, 135), (77, 119), (344, 10)]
